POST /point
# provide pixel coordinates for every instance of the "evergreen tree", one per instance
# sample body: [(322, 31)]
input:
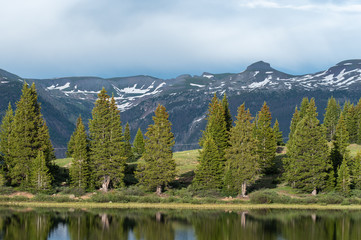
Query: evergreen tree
[(295, 120), (331, 117), (40, 178), (304, 106), (128, 153), (267, 144), (344, 178), (340, 143), (29, 135), (209, 172), (242, 166), (216, 126), (106, 143), (227, 112), (159, 167), (307, 165), (70, 148), (358, 116), (278, 133), (356, 171), (352, 123), (5, 141), (138, 145), (79, 168)]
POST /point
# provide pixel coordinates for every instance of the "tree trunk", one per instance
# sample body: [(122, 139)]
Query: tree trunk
[(244, 189), (314, 192), (159, 190), (105, 184)]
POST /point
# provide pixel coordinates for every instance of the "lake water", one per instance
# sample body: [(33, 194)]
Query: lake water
[(56, 224)]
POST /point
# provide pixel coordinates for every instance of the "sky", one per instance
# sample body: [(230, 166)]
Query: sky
[(162, 38)]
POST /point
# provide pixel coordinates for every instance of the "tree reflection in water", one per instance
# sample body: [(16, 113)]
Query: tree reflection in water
[(179, 224)]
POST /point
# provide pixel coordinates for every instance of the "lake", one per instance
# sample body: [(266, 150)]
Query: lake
[(150, 224)]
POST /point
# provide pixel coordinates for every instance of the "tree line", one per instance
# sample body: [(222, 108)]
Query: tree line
[(233, 155)]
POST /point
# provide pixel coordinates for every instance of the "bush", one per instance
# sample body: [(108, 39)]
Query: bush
[(133, 191), (77, 191), (265, 196), (43, 198), (110, 197), (330, 198)]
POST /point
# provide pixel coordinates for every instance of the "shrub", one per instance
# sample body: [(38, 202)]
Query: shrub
[(133, 191), (265, 196), (74, 190), (330, 198)]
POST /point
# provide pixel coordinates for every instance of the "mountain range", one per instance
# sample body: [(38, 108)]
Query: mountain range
[(185, 97)]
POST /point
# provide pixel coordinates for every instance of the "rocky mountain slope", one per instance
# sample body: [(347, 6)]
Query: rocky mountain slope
[(185, 97)]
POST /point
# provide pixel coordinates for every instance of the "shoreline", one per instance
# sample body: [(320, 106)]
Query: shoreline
[(185, 206)]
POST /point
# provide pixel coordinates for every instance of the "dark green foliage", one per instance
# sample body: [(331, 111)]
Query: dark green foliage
[(351, 118), (209, 172), (304, 106), (29, 135), (79, 169), (340, 143), (138, 145), (295, 120), (40, 178), (227, 112), (128, 153), (343, 178), (159, 167), (242, 166), (106, 143), (331, 117), (216, 126), (356, 171), (266, 138), (307, 165), (278, 134), (5, 141)]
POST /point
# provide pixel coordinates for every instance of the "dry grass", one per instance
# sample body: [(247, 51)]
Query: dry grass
[(225, 206)]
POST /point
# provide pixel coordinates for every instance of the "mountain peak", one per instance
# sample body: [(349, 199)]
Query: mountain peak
[(349, 62), (260, 65)]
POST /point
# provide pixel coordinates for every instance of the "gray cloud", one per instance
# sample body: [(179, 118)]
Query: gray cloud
[(166, 38)]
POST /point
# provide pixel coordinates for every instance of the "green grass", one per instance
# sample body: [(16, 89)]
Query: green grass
[(354, 149), (186, 161), (63, 162)]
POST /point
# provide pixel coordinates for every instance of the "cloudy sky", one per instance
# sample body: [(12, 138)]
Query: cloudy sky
[(162, 38)]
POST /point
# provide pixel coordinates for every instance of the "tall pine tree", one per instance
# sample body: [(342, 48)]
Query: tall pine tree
[(307, 164), (331, 116), (343, 178), (107, 159), (294, 121), (278, 134), (128, 153), (40, 178), (242, 166), (79, 169), (5, 141), (159, 167), (138, 145), (227, 112), (29, 135), (209, 172), (356, 171), (266, 138)]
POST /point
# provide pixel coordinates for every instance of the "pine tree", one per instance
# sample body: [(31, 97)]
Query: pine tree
[(242, 166), (356, 171), (266, 138), (307, 164), (40, 178), (138, 145), (295, 120), (331, 117), (344, 178), (358, 116), (278, 133), (79, 168), (216, 126), (128, 153), (304, 106), (340, 143), (159, 167), (209, 172), (352, 123), (29, 135), (5, 141), (106, 143), (227, 112)]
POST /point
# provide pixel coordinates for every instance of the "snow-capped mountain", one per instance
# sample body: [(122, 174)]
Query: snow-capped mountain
[(185, 97)]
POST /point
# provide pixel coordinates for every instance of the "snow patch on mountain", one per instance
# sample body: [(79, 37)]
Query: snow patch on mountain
[(197, 85), (57, 87)]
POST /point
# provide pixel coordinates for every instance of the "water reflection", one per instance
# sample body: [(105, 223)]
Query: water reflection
[(181, 224)]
